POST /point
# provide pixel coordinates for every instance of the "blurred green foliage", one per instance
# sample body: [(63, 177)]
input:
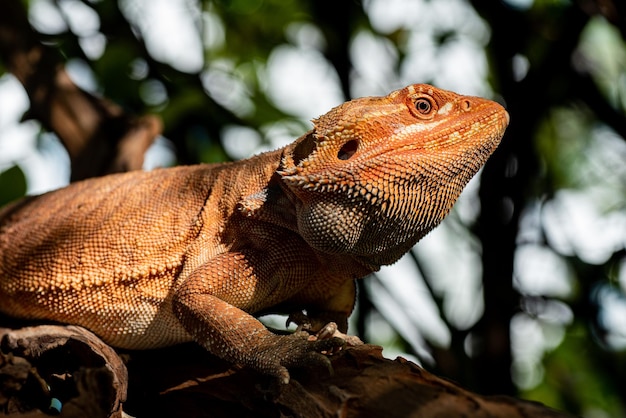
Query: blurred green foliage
[(12, 184)]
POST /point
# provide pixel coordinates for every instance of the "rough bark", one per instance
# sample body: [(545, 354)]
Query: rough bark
[(90, 379)]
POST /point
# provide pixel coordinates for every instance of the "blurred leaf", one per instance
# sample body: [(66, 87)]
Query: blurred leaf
[(113, 70), (576, 380), (12, 185)]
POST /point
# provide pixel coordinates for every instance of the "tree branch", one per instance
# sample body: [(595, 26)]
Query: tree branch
[(187, 381)]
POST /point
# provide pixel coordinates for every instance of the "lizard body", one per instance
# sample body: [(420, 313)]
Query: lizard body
[(150, 259)]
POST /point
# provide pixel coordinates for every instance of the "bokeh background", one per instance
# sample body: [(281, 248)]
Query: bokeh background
[(522, 290)]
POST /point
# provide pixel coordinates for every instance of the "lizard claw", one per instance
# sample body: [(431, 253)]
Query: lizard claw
[(300, 319), (327, 331)]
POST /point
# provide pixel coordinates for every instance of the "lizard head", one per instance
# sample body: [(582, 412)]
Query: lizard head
[(376, 174)]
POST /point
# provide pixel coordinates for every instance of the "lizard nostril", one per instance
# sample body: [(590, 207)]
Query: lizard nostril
[(466, 105), (348, 149)]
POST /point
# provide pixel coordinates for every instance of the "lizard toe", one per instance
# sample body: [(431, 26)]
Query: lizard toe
[(295, 351), (331, 330)]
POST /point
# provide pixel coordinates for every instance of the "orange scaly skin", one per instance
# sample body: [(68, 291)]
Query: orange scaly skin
[(150, 259)]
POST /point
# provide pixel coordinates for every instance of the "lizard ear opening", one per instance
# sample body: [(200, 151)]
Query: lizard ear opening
[(348, 150)]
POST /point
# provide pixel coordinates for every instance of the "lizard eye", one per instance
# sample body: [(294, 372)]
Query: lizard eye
[(348, 149), (423, 106)]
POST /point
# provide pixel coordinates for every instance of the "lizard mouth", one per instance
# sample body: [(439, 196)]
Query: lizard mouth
[(487, 130)]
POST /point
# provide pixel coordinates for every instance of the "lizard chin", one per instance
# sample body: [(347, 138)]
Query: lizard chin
[(375, 231)]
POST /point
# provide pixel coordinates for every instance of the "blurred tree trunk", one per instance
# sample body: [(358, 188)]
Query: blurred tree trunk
[(98, 135), (507, 179)]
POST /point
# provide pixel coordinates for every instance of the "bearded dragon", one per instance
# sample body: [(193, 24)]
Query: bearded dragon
[(151, 259)]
